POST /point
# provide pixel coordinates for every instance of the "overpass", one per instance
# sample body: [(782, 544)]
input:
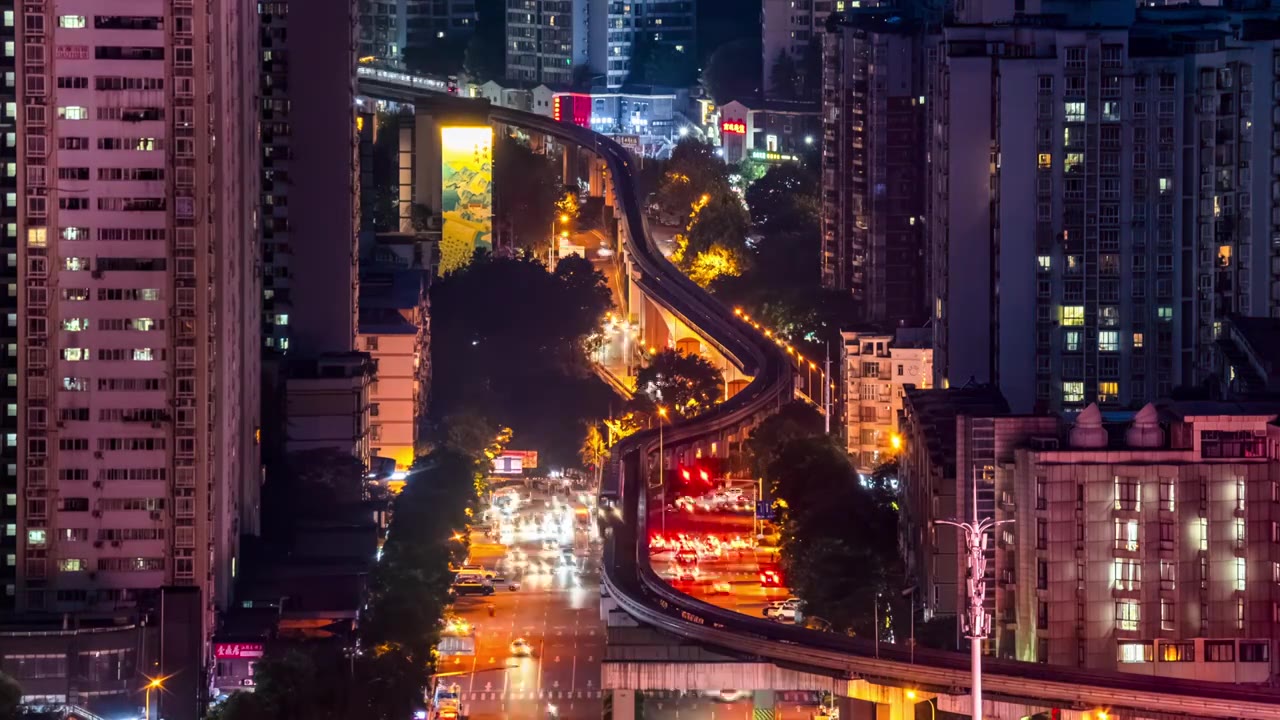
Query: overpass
[(662, 639)]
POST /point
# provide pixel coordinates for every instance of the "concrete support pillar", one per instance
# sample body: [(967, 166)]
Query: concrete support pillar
[(764, 705), (569, 166), (624, 704)]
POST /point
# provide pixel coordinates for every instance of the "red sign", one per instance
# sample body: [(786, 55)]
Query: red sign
[(237, 650), (572, 108), (734, 127)]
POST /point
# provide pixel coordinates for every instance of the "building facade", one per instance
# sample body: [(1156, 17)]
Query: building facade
[(10, 329), (878, 368), (772, 131), (138, 352), (1144, 543), (310, 203), (873, 164), (1137, 159), (395, 331), (328, 405), (546, 39), (794, 29)]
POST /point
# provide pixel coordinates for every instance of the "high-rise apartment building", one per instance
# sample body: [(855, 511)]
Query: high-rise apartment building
[(389, 28), (137, 356), (309, 199), (11, 328), (1147, 545), (873, 164), (548, 39), (793, 29), (1109, 206)]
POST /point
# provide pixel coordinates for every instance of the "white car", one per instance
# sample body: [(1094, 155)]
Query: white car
[(521, 648), (784, 611)]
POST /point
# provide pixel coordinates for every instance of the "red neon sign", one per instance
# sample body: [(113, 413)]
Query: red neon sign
[(734, 127), (237, 650)]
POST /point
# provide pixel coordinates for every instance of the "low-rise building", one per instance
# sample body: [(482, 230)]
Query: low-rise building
[(1144, 542), (770, 131), (327, 405), (877, 368), (395, 331)]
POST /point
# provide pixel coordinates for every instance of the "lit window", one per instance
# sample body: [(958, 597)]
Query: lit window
[(1071, 315), (1045, 262), (1072, 392), (36, 536), (73, 112), (71, 565), (1127, 615), (1128, 574), (71, 21), (75, 354), (1137, 340), (1072, 341), (1240, 573), (1204, 532), (75, 263), (282, 319), (1109, 341), (1108, 391), (143, 354), (1045, 161), (1134, 652), (1074, 111), (1126, 535), (1165, 313)]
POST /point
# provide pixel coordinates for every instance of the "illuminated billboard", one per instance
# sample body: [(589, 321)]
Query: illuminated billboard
[(466, 193)]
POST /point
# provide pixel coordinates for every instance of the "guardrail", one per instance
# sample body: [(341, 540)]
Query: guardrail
[(630, 580)]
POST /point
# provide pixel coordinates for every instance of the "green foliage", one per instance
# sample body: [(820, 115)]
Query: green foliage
[(793, 421), (785, 198), (686, 384), (734, 70), (839, 547), (296, 683), (526, 188), (507, 346), (409, 588), (693, 170)]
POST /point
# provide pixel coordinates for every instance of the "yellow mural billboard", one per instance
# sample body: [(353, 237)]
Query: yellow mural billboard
[(466, 193)]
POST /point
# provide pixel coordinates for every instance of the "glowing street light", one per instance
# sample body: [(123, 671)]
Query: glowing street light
[(662, 461), (152, 684)]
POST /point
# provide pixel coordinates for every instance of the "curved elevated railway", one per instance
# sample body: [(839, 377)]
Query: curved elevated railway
[(630, 580)]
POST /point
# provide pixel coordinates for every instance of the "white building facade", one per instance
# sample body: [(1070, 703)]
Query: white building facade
[(877, 367)]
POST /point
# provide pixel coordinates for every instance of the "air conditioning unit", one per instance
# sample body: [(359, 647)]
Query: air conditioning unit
[(155, 514), (97, 543), (97, 483), (115, 543), (97, 513)]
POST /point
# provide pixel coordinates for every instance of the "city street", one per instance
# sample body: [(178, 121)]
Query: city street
[(739, 568), (557, 611)]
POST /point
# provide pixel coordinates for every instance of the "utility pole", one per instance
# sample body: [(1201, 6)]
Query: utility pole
[(977, 622)]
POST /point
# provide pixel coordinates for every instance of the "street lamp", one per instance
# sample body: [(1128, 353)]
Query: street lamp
[(933, 709), (152, 684), (662, 461), (978, 623)]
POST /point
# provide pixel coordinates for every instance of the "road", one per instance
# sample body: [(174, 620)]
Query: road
[(556, 612)]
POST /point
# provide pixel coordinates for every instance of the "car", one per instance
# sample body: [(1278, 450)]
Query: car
[(472, 588), (785, 611), (521, 648), (720, 587), (770, 578)]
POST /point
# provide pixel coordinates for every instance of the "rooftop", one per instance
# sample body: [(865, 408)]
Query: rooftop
[(937, 410)]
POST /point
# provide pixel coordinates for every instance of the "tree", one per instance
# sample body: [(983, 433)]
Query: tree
[(526, 189), (734, 70), (785, 199), (595, 449), (784, 76), (693, 171), (509, 341), (793, 421), (685, 383), (10, 697)]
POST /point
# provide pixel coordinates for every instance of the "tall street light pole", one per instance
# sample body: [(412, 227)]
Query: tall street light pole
[(662, 461), (977, 622), (153, 684)]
